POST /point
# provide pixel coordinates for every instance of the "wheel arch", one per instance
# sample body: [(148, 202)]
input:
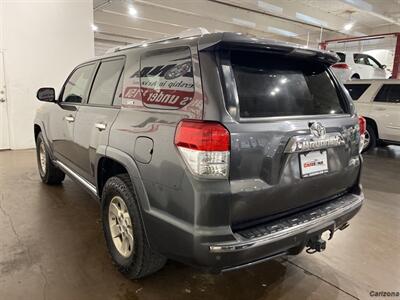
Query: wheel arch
[(114, 162), (372, 122)]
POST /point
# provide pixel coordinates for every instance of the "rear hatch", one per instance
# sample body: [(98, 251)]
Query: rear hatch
[(294, 137)]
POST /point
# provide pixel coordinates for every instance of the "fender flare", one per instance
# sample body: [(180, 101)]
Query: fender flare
[(131, 167)]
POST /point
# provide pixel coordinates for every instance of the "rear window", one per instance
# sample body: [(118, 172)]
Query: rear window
[(342, 56), (271, 85), (356, 90)]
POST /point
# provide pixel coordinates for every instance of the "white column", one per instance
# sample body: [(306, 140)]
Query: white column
[(42, 41)]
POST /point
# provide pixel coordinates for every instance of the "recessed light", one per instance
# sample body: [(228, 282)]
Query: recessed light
[(132, 11), (348, 26), (94, 27)]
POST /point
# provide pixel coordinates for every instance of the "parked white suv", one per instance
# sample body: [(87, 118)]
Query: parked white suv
[(359, 66), (378, 101)]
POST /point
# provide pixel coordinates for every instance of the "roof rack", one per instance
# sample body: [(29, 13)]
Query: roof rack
[(184, 34)]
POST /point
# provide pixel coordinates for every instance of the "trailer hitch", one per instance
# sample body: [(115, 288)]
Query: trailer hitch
[(317, 243)]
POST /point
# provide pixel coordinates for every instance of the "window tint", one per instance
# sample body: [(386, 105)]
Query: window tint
[(389, 93), (76, 88), (166, 79), (106, 81), (272, 85), (356, 90), (368, 60), (342, 56)]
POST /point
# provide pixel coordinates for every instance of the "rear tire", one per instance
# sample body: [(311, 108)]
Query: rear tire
[(370, 138), (136, 259), (355, 76), (48, 172)]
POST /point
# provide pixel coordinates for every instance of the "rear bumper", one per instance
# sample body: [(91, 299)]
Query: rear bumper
[(284, 236)]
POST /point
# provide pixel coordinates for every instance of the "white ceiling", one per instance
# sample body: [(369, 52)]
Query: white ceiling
[(295, 21)]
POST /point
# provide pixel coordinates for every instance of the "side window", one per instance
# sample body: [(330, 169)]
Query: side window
[(105, 83), (361, 59), (356, 90), (76, 88), (373, 62), (388, 93), (166, 78)]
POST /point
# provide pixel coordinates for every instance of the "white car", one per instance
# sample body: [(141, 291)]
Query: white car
[(359, 66), (378, 101)]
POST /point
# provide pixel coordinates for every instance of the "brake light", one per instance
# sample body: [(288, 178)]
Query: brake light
[(340, 66), (205, 147), (362, 124)]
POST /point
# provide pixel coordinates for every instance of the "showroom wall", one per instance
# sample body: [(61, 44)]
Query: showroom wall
[(40, 48)]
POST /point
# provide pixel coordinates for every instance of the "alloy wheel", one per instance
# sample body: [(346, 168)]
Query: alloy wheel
[(120, 225)]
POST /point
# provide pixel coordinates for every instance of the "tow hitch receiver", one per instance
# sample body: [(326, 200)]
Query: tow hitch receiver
[(317, 243)]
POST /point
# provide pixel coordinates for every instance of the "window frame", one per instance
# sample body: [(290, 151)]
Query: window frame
[(377, 92), (112, 58)]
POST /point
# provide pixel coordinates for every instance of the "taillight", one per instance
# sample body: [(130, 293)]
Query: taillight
[(340, 66), (362, 124), (205, 147)]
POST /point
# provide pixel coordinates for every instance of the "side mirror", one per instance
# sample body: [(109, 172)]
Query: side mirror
[(46, 94), (383, 67)]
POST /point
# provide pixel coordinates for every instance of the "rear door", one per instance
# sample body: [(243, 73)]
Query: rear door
[(294, 142), (94, 119), (386, 112)]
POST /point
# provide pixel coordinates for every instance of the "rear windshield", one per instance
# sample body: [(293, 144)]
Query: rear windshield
[(356, 90), (272, 85), (342, 56)]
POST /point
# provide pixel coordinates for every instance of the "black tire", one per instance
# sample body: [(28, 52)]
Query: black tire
[(355, 76), (50, 174), (143, 261), (372, 138)]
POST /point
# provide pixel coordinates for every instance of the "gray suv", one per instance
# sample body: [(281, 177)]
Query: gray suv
[(215, 150)]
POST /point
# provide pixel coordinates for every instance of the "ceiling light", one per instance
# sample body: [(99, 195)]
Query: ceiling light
[(132, 11), (348, 26), (94, 27), (311, 20), (281, 31), (244, 23)]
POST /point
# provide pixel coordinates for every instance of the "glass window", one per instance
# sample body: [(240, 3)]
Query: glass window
[(389, 93), (106, 81), (166, 78), (342, 56), (76, 88), (271, 85), (356, 90)]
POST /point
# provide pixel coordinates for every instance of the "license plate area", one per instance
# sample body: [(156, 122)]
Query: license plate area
[(313, 163)]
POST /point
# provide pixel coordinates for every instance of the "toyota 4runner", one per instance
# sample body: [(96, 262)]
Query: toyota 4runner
[(216, 150)]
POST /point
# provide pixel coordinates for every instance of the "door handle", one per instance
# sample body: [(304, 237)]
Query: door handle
[(100, 126), (2, 100), (380, 108), (69, 119)]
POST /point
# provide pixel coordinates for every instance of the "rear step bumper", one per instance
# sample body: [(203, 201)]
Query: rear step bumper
[(285, 236)]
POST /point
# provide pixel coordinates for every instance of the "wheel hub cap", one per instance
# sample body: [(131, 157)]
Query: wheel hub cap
[(121, 226)]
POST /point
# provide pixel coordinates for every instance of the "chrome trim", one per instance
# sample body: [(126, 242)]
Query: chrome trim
[(80, 179), (285, 118), (303, 143), (242, 244)]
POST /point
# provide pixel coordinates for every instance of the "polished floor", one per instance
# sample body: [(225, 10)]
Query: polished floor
[(52, 247)]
